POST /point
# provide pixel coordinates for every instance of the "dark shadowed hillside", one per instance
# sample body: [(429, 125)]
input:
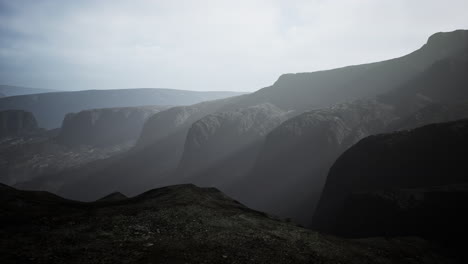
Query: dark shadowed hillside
[(51, 108), (177, 224), (403, 183)]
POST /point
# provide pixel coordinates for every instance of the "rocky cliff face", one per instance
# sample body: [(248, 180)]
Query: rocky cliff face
[(234, 136), (177, 224), (300, 151), (400, 172), (291, 168), (17, 123), (105, 127)]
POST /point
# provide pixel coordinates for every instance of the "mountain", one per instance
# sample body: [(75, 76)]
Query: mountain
[(51, 108), (105, 127), (304, 147), (178, 224), (9, 90), (405, 183), (223, 136), (290, 170), (17, 123), (166, 151)]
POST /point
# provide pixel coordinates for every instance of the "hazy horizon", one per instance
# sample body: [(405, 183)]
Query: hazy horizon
[(205, 45)]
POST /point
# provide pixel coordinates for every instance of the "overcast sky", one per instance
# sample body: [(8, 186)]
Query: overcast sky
[(206, 45)]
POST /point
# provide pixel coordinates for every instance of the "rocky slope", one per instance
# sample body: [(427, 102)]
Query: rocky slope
[(403, 183), (105, 127), (85, 137), (24, 160), (51, 108), (177, 224), (17, 123)]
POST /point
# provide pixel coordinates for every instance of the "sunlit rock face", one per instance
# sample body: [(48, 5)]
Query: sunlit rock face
[(233, 136)]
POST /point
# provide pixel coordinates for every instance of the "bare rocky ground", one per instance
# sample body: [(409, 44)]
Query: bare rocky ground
[(177, 224), (24, 159)]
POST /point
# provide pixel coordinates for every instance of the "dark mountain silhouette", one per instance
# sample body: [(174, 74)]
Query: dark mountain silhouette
[(17, 123), (51, 108), (104, 127), (115, 196), (177, 224), (9, 90), (403, 183)]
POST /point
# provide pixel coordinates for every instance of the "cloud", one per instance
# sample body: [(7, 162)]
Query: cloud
[(206, 45)]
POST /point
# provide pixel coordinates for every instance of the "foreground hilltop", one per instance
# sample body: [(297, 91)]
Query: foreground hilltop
[(176, 224)]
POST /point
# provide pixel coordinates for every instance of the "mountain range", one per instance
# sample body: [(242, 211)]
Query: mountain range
[(373, 150), (50, 108), (272, 149)]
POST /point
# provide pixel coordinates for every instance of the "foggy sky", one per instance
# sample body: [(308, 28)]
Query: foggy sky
[(206, 45)]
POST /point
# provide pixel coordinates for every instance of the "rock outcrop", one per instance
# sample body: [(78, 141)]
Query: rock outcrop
[(412, 180), (105, 127), (15, 123), (233, 136), (291, 168)]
